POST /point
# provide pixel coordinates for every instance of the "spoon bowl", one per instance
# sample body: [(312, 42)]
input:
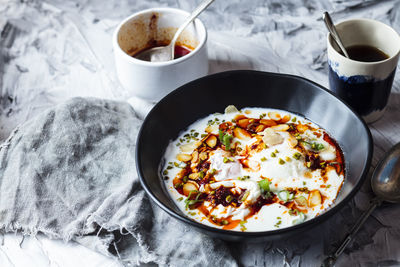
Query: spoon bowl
[(166, 53), (385, 181)]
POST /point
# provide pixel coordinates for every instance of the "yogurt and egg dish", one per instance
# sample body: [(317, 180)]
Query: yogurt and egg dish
[(253, 170)]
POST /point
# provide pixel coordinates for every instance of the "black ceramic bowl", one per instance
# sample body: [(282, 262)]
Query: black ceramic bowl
[(213, 93)]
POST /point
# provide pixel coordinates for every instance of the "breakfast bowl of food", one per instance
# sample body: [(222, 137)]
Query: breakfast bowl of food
[(252, 155)]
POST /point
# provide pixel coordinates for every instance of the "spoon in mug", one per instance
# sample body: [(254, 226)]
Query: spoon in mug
[(385, 183), (166, 53), (332, 29)]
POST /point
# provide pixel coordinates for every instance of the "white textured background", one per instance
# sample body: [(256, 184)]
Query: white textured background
[(53, 50)]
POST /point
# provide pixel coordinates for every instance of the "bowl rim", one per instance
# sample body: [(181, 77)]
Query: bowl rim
[(328, 213), (202, 39)]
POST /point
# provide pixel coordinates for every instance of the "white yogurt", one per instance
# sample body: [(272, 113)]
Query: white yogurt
[(276, 161)]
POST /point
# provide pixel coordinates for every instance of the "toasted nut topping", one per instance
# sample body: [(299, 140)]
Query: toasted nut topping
[(241, 134), (211, 141), (183, 157), (189, 186), (292, 141), (268, 123), (243, 123), (280, 127), (195, 157), (302, 128), (274, 116), (211, 128), (188, 148), (285, 119), (231, 109), (203, 155), (194, 175), (272, 138), (260, 128), (301, 201), (314, 198)]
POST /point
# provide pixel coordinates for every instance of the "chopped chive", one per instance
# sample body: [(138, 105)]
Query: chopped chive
[(264, 185)]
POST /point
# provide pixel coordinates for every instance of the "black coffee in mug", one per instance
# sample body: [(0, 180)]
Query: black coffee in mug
[(365, 80)]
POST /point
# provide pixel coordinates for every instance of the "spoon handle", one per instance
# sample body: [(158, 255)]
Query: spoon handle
[(189, 19), (332, 29), (331, 259)]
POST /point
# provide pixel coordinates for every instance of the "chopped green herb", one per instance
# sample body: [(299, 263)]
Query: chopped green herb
[(264, 185), (190, 202), (225, 139), (185, 179), (213, 171), (328, 186), (276, 151), (279, 218), (192, 213), (228, 198), (244, 197), (304, 183), (308, 164), (165, 172), (176, 164), (287, 159), (224, 222), (226, 160), (263, 159), (180, 199), (281, 161), (294, 119), (273, 154), (169, 167), (285, 195)]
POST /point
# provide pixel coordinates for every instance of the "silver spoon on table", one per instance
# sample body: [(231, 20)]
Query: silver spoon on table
[(166, 53), (332, 29), (385, 183)]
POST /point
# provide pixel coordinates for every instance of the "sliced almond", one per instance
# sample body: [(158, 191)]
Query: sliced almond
[(188, 148), (268, 123), (254, 165), (274, 115), (211, 141), (272, 138), (302, 128), (241, 134), (195, 157), (285, 119), (189, 187), (260, 128), (231, 109), (211, 128), (292, 141), (314, 198), (203, 155), (243, 123), (301, 201), (183, 157), (280, 127), (194, 175)]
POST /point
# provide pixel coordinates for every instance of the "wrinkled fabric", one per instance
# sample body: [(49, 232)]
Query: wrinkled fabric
[(70, 174)]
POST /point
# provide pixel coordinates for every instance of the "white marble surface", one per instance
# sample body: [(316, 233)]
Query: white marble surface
[(53, 50)]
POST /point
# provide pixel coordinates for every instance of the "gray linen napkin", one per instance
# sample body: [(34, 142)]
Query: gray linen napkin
[(70, 174)]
